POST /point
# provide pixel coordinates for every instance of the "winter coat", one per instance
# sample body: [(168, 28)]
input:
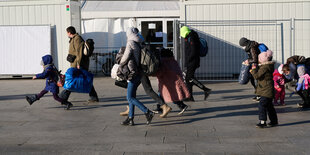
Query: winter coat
[(304, 79), (265, 79), (278, 80), (76, 48), (126, 72), (170, 81), (192, 50), (50, 74), (133, 49), (252, 50)]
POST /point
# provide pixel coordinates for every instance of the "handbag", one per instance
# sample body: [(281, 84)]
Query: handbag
[(122, 84), (244, 75), (71, 58)]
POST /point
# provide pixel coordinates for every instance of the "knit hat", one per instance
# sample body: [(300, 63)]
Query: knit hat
[(244, 41), (262, 47), (184, 31), (265, 56)]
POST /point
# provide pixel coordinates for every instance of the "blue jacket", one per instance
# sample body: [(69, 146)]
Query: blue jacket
[(50, 74)]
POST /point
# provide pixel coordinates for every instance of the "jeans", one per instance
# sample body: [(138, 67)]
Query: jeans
[(131, 96), (265, 107), (149, 90)]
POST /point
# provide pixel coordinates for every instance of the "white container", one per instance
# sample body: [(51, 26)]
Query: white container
[(59, 14)]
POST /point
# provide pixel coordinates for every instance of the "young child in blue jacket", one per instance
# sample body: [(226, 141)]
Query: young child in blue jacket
[(51, 76)]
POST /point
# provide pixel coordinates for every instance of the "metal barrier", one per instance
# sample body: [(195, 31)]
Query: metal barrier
[(225, 56), (102, 60)]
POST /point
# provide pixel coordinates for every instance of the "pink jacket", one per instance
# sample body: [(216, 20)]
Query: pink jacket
[(170, 81), (278, 80)]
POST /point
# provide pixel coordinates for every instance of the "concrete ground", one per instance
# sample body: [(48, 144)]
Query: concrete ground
[(224, 124)]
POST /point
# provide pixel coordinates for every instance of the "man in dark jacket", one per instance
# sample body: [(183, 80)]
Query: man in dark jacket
[(192, 60), (251, 48), (81, 61)]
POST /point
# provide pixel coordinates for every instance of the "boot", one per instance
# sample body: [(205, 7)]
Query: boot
[(166, 110), (93, 99), (128, 121), (67, 104), (158, 109), (182, 108), (201, 86), (190, 99), (126, 112), (31, 99), (149, 116)]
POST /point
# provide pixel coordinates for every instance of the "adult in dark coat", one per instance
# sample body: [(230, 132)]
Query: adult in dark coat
[(81, 61), (192, 61)]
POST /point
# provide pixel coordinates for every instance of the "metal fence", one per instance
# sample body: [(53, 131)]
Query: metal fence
[(284, 37)]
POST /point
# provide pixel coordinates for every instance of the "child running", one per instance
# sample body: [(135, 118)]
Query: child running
[(51, 76)]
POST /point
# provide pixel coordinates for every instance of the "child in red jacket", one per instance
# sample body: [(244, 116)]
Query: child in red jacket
[(279, 88)]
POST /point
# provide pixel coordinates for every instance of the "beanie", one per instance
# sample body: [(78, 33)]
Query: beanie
[(244, 41), (184, 31)]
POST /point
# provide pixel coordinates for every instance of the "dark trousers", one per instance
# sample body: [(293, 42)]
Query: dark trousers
[(149, 90), (265, 107), (305, 96), (55, 95), (65, 94), (191, 80)]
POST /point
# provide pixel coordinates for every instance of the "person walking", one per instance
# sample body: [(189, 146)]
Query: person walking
[(192, 61), (133, 52), (78, 60)]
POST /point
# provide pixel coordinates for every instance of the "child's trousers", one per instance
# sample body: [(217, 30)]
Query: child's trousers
[(56, 97), (265, 107), (279, 95)]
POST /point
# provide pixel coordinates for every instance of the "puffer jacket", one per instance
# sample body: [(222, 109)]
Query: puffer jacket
[(133, 49), (125, 72), (50, 74), (265, 85), (252, 50)]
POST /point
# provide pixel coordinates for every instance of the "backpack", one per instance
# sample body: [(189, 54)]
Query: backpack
[(89, 47), (149, 61), (60, 81), (203, 47)]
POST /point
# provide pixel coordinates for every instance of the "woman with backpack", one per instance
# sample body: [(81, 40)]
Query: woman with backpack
[(132, 53)]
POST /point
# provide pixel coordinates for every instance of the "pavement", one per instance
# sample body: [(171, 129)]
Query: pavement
[(224, 124)]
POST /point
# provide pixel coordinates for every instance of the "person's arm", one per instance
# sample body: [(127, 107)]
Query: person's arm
[(194, 43), (258, 73), (126, 55), (43, 75)]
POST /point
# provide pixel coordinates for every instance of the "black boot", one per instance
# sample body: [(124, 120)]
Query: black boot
[(190, 99), (201, 86), (128, 121), (31, 99), (149, 116), (182, 107), (67, 104), (158, 109)]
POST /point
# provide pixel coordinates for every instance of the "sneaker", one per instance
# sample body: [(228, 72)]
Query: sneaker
[(183, 109), (158, 109), (300, 105), (256, 98), (259, 125), (272, 124)]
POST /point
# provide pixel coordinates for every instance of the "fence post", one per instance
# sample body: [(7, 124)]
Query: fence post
[(282, 43)]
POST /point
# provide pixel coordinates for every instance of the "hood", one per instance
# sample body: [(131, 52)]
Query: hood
[(244, 41), (47, 60), (267, 63), (133, 34), (276, 73), (184, 31), (280, 69), (301, 70)]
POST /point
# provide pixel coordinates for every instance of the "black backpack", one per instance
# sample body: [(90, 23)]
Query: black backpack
[(89, 47), (149, 61)]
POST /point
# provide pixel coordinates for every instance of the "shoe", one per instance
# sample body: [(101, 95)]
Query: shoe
[(207, 93), (259, 125), (158, 109), (31, 99), (191, 99), (68, 105), (166, 110), (301, 105), (183, 109), (149, 116), (275, 103), (256, 98), (128, 121), (272, 124), (125, 113), (93, 99)]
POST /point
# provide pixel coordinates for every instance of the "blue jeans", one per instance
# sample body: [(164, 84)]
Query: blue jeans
[(131, 96)]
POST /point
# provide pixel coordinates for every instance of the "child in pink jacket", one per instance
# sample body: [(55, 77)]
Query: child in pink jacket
[(279, 88)]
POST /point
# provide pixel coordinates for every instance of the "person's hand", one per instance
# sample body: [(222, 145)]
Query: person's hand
[(253, 66), (78, 66), (34, 77), (246, 62)]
